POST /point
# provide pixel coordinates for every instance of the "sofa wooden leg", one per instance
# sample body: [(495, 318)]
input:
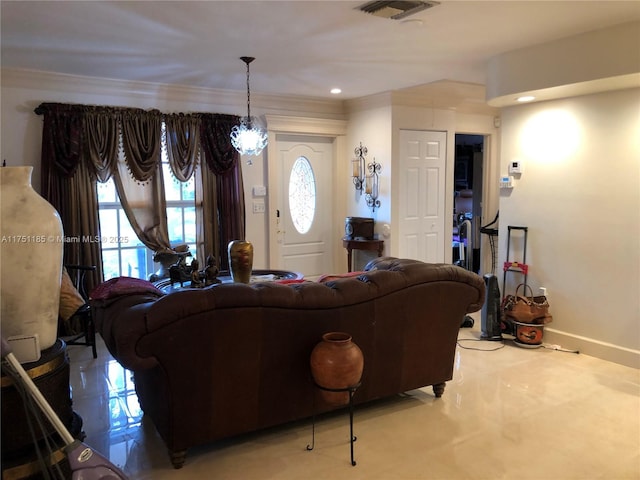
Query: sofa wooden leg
[(438, 389), (177, 458)]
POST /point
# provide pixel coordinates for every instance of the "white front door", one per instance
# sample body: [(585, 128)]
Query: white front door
[(305, 227), (422, 195)]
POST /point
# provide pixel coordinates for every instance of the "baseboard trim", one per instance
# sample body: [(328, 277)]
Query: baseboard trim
[(595, 348)]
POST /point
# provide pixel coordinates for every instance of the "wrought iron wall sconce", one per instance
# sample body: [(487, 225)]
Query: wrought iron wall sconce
[(371, 185), (358, 167)]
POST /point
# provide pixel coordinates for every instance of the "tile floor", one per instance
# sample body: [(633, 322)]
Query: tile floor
[(508, 413)]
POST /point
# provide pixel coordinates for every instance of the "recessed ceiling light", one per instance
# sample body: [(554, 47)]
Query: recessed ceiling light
[(526, 98), (336, 91), (413, 22)]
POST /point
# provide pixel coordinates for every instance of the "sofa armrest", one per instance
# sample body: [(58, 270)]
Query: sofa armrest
[(122, 322)]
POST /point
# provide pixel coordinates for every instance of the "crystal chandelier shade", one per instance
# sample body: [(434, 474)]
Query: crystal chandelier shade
[(250, 136)]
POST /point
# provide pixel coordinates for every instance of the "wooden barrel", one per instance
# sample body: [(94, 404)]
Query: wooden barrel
[(51, 375)]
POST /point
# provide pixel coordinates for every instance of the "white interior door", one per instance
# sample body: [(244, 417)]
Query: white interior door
[(305, 231), (422, 195)]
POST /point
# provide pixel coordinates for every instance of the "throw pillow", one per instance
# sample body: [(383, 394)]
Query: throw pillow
[(123, 286), (289, 281), (70, 298), (335, 276)]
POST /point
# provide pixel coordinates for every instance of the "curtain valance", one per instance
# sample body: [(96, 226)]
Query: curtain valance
[(96, 131)]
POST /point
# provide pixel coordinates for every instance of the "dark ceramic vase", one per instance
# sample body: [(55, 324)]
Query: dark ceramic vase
[(240, 260), (336, 363)]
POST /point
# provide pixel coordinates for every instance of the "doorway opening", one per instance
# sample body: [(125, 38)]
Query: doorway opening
[(467, 201)]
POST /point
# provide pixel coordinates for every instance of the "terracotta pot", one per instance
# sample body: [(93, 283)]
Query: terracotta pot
[(529, 333), (240, 260), (336, 363), (31, 252)]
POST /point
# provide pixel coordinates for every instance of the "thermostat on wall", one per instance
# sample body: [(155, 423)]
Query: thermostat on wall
[(506, 181)]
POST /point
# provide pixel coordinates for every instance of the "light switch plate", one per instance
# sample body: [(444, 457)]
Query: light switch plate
[(259, 191)]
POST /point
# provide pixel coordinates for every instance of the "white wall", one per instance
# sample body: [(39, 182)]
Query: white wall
[(370, 126), (256, 223), (579, 195)]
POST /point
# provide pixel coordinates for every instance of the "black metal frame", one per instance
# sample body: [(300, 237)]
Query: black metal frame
[(352, 389), (78, 274)]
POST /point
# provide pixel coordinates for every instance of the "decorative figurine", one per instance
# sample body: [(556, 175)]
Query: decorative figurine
[(211, 271), (196, 280), (173, 264), (180, 271)]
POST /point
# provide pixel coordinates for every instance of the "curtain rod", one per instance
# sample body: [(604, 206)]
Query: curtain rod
[(48, 106)]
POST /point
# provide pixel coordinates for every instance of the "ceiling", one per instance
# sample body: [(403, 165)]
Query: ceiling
[(301, 47)]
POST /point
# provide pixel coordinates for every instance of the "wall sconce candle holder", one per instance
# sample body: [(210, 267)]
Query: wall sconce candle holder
[(371, 188), (358, 167)]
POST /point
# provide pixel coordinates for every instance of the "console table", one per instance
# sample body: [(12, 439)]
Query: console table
[(372, 245)]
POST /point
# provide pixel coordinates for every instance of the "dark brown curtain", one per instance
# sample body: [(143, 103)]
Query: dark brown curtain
[(142, 192), (67, 183), (141, 141), (182, 134), (207, 224), (102, 135), (224, 161), (81, 145)]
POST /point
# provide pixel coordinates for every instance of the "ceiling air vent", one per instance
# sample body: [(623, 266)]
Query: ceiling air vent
[(395, 10)]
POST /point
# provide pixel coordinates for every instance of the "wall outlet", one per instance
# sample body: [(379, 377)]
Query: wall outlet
[(258, 207), (543, 291)]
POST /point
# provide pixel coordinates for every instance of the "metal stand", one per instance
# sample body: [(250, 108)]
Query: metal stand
[(492, 233), (352, 389)]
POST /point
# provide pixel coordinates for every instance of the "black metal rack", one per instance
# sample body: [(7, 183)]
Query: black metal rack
[(352, 389), (492, 233)]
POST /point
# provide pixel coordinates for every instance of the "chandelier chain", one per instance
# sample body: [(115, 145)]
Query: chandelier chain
[(249, 137), (248, 95)]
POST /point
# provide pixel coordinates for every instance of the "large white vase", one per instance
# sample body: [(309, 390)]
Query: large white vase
[(31, 245)]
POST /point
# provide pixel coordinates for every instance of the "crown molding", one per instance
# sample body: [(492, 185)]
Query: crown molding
[(379, 100), (306, 125), (226, 100), (442, 95)]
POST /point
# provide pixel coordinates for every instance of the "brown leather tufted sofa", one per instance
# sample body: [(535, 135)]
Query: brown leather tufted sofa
[(215, 362)]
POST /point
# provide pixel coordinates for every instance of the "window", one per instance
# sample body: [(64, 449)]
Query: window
[(181, 208), (127, 255), (302, 195)]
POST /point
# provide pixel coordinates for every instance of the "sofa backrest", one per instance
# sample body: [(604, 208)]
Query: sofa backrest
[(382, 276)]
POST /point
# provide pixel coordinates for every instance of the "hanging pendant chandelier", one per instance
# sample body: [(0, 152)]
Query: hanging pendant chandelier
[(250, 136)]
